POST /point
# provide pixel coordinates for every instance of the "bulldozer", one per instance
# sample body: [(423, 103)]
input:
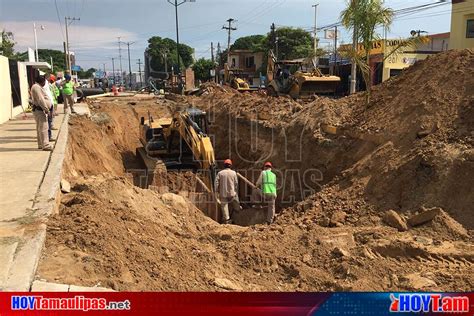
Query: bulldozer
[(283, 79), (177, 142), (232, 77)]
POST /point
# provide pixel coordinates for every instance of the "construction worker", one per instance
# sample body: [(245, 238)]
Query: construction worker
[(226, 188), (47, 88), (267, 181), (41, 106), (68, 92), (55, 91)]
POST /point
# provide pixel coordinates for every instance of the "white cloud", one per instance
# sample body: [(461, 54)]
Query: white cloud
[(81, 37)]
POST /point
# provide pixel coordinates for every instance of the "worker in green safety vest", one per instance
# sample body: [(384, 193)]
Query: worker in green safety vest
[(67, 87), (268, 184)]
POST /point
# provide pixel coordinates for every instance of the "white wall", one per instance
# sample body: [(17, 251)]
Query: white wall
[(24, 88), (5, 90)]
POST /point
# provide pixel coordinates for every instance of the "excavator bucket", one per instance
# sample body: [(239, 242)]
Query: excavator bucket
[(319, 85)]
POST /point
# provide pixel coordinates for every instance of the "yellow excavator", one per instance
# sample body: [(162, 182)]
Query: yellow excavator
[(232, 77), (283, 79), (177, 142)]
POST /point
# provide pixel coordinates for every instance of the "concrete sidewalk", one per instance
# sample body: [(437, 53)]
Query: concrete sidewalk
[(28, 195)]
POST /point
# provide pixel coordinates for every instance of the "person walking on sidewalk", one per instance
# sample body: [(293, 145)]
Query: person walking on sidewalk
[(68, 93), (41, 106), (267, 181), (226, 188)]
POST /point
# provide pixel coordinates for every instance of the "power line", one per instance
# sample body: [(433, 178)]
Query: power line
[(59, 19)]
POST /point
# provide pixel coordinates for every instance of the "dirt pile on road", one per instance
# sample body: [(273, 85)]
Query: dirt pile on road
[(343, 167)]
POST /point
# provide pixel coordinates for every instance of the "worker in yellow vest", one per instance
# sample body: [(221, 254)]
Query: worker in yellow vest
[(268, 184), (68, 93)]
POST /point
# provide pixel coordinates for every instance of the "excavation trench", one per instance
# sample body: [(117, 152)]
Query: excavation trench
[(302, 166)]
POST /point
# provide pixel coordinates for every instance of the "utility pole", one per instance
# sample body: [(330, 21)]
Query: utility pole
[(335, 50), (354, 47), (164, 54), (65, 55), (273, 35), (120, 60), (229, 29), (66, 19), (176, 4), (129, 64), (213, 61), (36, 42), (113, 70), (219, 53), (140, 71), (315, 44)]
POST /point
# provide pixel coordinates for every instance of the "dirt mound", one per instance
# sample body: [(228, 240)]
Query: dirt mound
[(412, 146), (341, 166), (111, 233)]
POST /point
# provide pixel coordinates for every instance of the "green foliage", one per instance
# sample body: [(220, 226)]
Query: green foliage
[(88, 74), (158, 47), (7, 44), (255, 43), (363, 18), (292, 43), (59, 62), (202, 68)]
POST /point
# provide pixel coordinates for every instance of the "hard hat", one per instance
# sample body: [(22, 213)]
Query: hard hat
[(52, 77), (268, 164), (228, 162)]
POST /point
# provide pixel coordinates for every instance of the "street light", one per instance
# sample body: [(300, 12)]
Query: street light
[(36, 41), (176, 4)]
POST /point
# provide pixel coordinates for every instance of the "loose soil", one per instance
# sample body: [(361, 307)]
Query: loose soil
[(342, 165)]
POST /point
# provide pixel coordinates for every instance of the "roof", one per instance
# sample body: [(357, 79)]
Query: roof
[(440, 35), (37, 64), (244, 51)]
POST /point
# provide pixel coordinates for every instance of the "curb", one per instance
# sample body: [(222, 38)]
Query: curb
[(25, 262)]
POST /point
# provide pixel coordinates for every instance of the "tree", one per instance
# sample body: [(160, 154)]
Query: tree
[(159, 47), (364, 16), (255, 43), (89, 73), (59, 63), (292, 43), (7, 44), (202, 69)]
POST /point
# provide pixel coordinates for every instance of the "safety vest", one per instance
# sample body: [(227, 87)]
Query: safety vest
[(68, 88), (269, 181), (54, 92)]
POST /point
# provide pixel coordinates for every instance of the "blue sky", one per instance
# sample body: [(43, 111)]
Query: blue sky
[(94, 37)]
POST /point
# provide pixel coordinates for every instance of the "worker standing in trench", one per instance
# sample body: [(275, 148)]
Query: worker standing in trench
[(226, 187), (267, 182)]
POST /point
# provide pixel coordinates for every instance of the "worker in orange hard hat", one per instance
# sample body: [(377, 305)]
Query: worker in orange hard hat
[(226, 189), (267, 181)]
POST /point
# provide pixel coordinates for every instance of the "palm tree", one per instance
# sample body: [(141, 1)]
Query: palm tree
[(363, 17)]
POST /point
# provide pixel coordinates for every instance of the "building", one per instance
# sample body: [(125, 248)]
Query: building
[(16, 78), (407, 56), (385, 64), (249, 64), (462, 24)]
